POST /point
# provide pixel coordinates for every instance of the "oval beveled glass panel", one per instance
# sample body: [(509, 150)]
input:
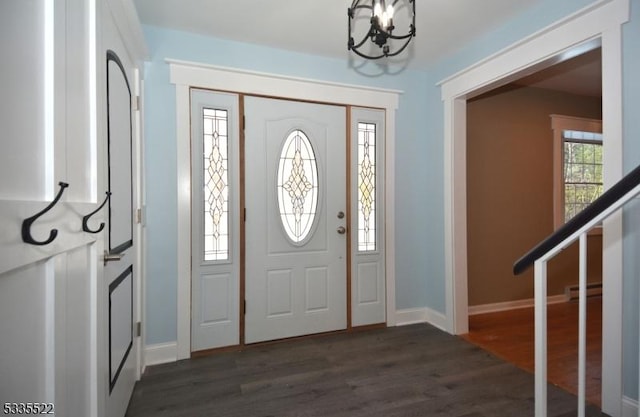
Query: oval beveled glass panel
[(297, 183)]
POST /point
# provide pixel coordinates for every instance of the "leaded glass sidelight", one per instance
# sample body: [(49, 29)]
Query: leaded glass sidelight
[(297, 184), (216, 185), (366, 187)]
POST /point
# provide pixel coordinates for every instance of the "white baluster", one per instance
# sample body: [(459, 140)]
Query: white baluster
[(582, 325), (540, 294)]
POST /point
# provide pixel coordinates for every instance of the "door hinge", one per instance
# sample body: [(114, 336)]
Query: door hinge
[(138, 329), (244, 308), (244, 121), (139, 216), (136, 103), (244, 215)]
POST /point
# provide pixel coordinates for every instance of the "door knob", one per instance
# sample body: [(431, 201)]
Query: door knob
[(110, 257), (341, 230)]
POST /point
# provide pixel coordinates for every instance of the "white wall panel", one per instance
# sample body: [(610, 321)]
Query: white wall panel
[(26, 343), (22, 117)]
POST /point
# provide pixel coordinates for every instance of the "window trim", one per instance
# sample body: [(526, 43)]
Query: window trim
[(560, 123)]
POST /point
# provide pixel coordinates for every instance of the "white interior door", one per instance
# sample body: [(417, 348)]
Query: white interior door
[(296, 223), (119, 290)]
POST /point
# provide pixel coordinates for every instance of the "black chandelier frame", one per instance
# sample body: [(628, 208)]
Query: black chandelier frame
[(378, 34)]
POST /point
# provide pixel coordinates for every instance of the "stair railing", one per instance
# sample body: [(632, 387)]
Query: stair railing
[(575, 229)]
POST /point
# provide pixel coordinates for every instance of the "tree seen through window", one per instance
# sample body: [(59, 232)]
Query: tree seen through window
[(582, 170)]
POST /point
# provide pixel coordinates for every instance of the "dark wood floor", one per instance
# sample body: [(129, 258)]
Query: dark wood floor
[(395, 372), (509, 335)]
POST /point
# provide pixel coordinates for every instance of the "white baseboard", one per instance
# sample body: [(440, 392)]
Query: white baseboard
[(160, 353), (512, 305), (629, 407), (421, 315)]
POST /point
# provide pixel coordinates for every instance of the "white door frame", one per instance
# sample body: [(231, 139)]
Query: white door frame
[(599, 23), (189, 74)]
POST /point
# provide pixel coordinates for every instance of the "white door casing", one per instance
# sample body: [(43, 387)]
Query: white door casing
[(598, 23), (216, 168), (187, 74), (294, 287)]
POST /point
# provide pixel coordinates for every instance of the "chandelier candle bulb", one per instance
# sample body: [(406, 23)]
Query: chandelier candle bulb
[(377, 10), (385, 21), (390, 12)]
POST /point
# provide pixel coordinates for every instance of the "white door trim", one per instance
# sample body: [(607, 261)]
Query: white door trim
[(600, 23), (189, 74)]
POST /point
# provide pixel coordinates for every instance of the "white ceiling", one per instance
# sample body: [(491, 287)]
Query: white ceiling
[(320, 27)]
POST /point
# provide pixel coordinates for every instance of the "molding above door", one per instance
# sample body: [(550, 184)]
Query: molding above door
[(215, 77), (186, 75)]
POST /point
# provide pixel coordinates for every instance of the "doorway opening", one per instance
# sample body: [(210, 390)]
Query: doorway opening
[(556, 43), (512, 204)]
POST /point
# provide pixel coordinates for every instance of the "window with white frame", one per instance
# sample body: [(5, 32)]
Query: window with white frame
[(577, 165)]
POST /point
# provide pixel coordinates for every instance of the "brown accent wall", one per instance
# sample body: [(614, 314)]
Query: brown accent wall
[(510, 191)]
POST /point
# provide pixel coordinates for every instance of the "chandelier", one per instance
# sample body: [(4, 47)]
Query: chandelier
[(382, 17)]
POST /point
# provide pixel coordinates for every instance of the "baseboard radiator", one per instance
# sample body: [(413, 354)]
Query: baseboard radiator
[(571, 292)]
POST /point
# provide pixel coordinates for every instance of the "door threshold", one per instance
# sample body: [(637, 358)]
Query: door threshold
[(241, 347)]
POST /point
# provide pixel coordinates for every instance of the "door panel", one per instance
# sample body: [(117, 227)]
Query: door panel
[(295, 265), (120, 323), (120, 141)]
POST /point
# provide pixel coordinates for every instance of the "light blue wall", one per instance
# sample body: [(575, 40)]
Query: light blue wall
[(419, 247), (419, 158)]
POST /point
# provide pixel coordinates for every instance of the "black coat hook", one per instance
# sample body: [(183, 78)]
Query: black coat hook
[(85, 219), (26, 224)]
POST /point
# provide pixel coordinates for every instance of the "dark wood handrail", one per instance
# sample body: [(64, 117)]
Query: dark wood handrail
[(606, 200)]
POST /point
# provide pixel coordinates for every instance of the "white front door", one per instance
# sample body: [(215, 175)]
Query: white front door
[(296, 219)]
